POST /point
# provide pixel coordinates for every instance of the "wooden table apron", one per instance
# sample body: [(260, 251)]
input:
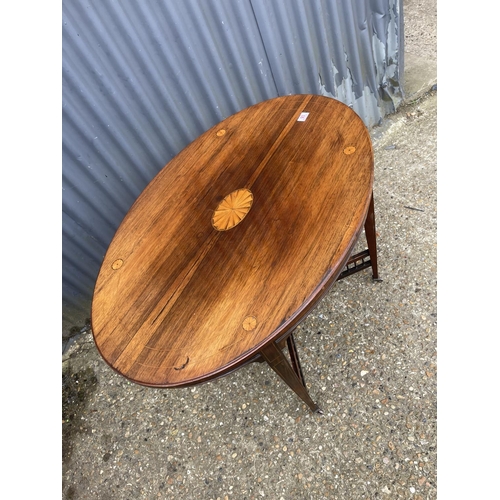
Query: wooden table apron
[(233, 242)]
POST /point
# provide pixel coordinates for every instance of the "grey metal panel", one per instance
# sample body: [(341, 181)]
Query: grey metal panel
[(342, 49), (142, 79)]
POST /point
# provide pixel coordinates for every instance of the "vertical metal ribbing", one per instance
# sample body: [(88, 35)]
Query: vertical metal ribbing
[(143, 79)]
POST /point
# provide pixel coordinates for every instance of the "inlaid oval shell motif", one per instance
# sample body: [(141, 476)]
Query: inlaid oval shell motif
[(232, 209)]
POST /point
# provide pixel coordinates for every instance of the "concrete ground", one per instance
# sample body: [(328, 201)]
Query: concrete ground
[(368, 353)]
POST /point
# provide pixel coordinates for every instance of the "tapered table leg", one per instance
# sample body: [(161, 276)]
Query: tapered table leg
[(294, 356), (371, 238), (278, 362)]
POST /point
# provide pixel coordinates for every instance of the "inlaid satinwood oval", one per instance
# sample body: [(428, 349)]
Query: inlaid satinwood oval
[(232, 209), (249, 323), (192, 302), (117, 264)]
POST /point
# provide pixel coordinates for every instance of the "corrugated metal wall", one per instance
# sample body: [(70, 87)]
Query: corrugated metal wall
[(143, 78)]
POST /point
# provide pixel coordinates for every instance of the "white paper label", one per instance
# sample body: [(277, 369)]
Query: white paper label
[(303, 117)]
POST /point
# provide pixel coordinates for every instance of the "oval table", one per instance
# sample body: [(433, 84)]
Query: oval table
[(234, 241)]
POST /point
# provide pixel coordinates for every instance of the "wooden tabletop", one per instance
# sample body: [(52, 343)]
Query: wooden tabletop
[(234, 241)]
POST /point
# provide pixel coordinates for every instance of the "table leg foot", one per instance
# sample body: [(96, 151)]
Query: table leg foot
[(278, 362)]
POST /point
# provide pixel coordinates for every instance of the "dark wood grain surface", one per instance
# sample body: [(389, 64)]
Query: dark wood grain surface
[(181, 297)]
